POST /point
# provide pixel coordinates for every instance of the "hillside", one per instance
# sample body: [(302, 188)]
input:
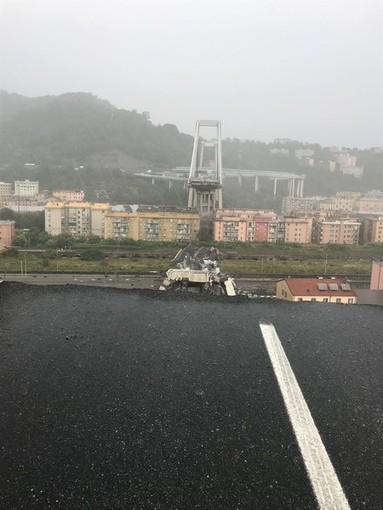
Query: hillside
[(80, 128), (75, 130)]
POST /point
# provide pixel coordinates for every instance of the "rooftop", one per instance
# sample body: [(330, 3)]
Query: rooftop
[(318, 286)]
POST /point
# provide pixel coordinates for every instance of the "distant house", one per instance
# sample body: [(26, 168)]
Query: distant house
[(323, 290), (65, 195)]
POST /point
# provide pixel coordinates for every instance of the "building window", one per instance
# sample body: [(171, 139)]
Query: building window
[(338, 300), (313, 299), (325, 300), (350, 300)]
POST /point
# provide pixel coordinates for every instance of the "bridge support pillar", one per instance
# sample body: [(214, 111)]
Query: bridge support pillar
[(275, 186), (301, 183)]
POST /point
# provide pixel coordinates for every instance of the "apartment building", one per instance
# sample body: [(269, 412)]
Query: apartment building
[(5, 189), (26, 203), (372, 202), (277, 231), (76, 218), (298, 230), (348, 160), (304, 153), (7, 232), (68, 195), (345, 201), (283, 151), (261, 226), (355, 171), (377, 276), (373, 230), (336, 231), (242, 225), (26, 188), (297, 205), (370, 205), (340, 202), (323, 290), (331, 165), (153, 224)]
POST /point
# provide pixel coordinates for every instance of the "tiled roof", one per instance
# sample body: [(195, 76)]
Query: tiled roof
[(319, 286)]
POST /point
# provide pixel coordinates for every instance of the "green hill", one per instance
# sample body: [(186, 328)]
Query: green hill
[(79, 141), (81, 128)]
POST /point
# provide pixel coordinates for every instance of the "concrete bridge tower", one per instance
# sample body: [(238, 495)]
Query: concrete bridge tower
[(205, 176)]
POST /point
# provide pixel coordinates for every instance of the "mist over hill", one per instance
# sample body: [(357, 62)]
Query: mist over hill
[(61, 133), (82, 128)]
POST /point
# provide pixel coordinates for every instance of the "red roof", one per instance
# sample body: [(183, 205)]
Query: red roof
[(319, 286)]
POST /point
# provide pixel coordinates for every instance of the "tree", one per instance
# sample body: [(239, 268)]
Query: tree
[(20, 239), (64, 241), (7, 214)]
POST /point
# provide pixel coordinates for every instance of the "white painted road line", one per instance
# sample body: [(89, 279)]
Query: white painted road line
[(325, 483)]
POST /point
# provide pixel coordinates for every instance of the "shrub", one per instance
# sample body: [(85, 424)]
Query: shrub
[(12, 252), (92, 254)]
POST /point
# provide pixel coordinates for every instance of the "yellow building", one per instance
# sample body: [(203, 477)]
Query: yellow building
[(322, 290), (76, 218), (5, 189), (153, 225)]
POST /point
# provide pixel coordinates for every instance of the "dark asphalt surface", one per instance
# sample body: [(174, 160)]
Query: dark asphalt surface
[(122, 399)]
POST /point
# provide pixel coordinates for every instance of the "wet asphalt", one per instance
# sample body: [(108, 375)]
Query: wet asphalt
[(129, 399)]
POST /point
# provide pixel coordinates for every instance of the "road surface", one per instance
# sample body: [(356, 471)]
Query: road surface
[(136, 400), (126, 281)]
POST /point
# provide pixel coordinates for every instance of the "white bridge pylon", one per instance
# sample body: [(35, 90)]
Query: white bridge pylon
[(205, 176)]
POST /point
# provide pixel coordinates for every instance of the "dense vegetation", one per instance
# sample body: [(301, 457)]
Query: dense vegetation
[(42, 252), (97, 260)]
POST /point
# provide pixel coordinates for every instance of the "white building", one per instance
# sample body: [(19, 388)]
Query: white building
[(26, 188), (304, 153), (356, 171)]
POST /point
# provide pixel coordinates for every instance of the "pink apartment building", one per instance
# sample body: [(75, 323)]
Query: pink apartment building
[(337, 231), (298, 230), (68, 195), (377, 276), (242, 225), (7, 232)]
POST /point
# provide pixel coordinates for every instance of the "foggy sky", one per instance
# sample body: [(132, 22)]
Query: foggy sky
[(302, 69)]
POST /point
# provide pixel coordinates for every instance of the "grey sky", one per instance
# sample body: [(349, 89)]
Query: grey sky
[(302, 69)]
